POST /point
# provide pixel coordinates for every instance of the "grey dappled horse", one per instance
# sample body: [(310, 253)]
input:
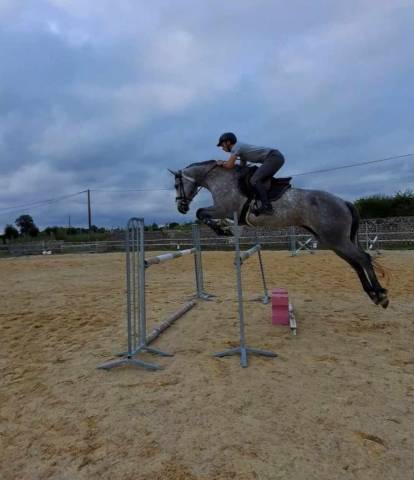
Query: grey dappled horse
[(330, 219)]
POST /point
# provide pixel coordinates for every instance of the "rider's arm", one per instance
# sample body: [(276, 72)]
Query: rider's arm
[(230, 163)]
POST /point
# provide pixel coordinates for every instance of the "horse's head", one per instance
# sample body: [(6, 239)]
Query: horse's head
[(186, 188), (189, 181)]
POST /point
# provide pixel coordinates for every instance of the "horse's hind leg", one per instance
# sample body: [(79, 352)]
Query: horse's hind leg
[(366, 284), (381, 292), (361, 262)]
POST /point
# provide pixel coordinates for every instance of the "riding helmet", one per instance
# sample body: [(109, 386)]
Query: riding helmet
[(228, 136)]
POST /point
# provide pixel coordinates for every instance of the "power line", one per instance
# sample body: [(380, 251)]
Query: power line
[(131, 190), (312, 172), (40, 203), (358, 164), (352, 165)]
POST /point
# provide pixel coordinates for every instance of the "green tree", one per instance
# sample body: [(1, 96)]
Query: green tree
[(34, 231), (381, 206), (51, 231), (403, 204), (26, 225), (10, 232)]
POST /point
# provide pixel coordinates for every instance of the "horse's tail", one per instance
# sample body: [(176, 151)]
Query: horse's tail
[(355, 222), (382, 271)]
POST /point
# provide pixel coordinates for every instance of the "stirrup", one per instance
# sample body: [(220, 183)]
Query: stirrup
[(263, 210)]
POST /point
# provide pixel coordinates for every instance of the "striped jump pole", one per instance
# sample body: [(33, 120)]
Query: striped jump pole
[(168, 256), (248, 253), (136, 265), (372, 241), (243, 350)]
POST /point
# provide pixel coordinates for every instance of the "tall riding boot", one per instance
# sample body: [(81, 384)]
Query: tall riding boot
[(266, 206)]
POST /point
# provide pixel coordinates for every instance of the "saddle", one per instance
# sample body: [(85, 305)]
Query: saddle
[(276, 187)]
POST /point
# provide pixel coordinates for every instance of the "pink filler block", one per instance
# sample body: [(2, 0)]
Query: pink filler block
[(280, 307)]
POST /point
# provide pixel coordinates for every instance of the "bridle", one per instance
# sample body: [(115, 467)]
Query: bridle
[(182, 197)]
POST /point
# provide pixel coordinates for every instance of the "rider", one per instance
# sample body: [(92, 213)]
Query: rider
[(271, 161)]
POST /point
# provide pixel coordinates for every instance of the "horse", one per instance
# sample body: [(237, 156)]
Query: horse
[(333, 221)]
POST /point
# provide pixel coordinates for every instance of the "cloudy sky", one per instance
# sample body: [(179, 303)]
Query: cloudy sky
[(107, 95)]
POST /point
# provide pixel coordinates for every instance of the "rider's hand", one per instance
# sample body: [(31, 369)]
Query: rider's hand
[(220, 163)]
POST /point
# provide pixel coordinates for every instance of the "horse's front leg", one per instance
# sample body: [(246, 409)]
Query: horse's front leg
[(215, 220)]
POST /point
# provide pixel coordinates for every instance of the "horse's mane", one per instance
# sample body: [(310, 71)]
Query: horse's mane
[(200, 164)]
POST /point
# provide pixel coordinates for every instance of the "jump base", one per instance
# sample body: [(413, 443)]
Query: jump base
[(135, 362), (128, 357), (243, 352), (240, 258)]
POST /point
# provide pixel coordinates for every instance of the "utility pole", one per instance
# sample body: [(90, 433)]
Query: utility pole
[(89, 211), (69, 222)]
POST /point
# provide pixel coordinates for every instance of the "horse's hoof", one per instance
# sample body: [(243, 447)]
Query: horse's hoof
[(384, 302), (383, 298), (373, 297), (223, 233)]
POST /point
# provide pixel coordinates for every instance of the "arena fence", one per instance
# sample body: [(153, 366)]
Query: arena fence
[(371, 236)]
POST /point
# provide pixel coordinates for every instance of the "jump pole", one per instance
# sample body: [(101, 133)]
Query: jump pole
[(168, 256), (243, 350), (136, 265), (266, 298), (372, 244), (295, 245), (307, 245)]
